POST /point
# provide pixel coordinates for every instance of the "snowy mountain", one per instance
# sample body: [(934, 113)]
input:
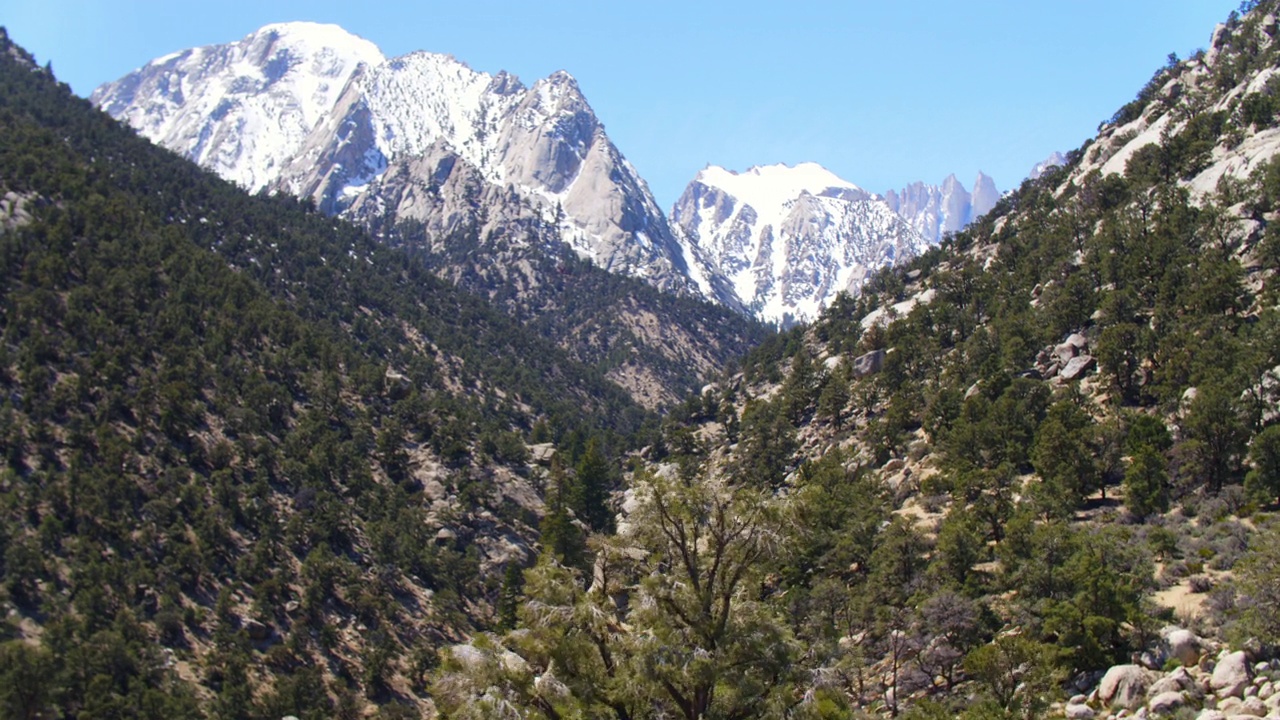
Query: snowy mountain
[(1055, 159), (241, 109), (935, 210), (315, 111), (785, 240)]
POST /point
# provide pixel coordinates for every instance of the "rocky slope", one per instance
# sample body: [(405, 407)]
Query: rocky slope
[(784, 240), (1221, 102)]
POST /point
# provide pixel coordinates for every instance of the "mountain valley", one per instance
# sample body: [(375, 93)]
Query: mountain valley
[(338, 385)]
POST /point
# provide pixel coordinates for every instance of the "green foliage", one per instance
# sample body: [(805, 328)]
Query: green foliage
[(562, 536), (694, 638), (25, 682), (1257, 581), (1263, 481), (1064, 458), (215, 406), (767, 444), (1216, 438), (1018, 675), (1146, 483)]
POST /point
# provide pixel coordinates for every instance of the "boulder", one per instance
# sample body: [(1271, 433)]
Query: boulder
[(1182, 645), (1124, 686), (1064, 353), (1211, 715), (869, 363), (1077, 367), (1077, 341), (1231, 675), (1177, 681), (1166, 703), (257, 631), (1252, 707), (1079, 711)]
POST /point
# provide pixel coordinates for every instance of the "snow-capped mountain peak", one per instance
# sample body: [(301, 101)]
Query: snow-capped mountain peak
[(315, 111), (786, 239), (772, 185), (244, 108)]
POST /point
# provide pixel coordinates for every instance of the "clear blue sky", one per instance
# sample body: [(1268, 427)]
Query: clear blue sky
[(883, 93)]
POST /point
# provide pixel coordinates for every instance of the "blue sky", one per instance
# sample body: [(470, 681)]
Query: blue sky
[(882, 93)]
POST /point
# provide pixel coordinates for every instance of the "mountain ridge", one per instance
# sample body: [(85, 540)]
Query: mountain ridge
[(424, 138), (544, 141), (788, 239)]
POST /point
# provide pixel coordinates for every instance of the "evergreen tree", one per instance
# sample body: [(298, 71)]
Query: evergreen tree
[(1146, 483), (1263, 481), (594, 480), (562, 537)]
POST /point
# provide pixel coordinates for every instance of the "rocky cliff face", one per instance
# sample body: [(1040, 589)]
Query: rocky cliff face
[(317, 112), (935, 210), (785, 240)]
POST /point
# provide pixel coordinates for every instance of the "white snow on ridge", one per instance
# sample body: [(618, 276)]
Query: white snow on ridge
[(421, 97), (272, 87), (770, 187), (789, 239)]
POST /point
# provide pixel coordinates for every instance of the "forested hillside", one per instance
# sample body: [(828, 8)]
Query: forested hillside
[(258, 463), (255, 462), (659, 346), (1032, 473)]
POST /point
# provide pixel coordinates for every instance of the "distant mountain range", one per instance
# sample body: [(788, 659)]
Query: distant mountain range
[(314, 111)]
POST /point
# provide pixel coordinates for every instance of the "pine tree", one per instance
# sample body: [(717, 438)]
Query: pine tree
[(1146, 483), (593, 483), (561, 535)]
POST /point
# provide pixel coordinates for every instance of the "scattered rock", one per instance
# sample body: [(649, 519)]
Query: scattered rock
[(1077, 367), (1124, 686), (541, 453), (1166, 703), (1231, 675), (257, 631), (1229, 706), (1079, 711), (1064, 353), (1182, 645), (445, 536), (1252, 707), (1177, 681), (869, 363)]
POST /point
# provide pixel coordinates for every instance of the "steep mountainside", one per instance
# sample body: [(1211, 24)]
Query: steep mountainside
[(935, 210), (255, 462), (490, 180), (319, 113), (1032, 473), (786, 240)]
